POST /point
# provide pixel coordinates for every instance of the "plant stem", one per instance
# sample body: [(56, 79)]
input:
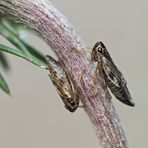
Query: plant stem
[(56, 30)]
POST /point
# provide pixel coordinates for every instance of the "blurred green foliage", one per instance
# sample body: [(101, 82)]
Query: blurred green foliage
[(12, 32)]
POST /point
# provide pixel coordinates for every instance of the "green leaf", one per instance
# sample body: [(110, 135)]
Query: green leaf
[(4, 62), (15, 27), (35, 52), (13, 38), (3, 85), (6, 31), (21, 54)]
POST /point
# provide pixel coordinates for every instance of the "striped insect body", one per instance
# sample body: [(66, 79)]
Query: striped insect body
[(63, 84), (110, 74)]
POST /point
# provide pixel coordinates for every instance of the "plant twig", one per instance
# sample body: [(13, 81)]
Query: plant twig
[(51, 25)]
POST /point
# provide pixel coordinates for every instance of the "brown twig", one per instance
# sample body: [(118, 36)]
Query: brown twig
[(56, 30)]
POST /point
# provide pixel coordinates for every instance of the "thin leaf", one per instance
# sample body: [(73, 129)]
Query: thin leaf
[(18, 28), (13, 38), (35, 52), (21, 54), (4, 62), (3, 85)]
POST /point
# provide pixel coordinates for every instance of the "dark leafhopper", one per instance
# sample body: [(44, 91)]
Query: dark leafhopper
[(110, 74)]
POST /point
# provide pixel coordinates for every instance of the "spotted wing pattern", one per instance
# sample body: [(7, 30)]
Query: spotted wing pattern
[(113, 78), (113, 74)]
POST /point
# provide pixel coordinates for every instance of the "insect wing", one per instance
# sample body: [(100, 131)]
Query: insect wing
[(63, 84), (116, 82), (113, 74)]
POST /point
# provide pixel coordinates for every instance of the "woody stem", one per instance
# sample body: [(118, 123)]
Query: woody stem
[(56, 30)]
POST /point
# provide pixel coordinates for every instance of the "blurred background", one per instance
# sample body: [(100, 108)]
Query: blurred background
[(35, 117)]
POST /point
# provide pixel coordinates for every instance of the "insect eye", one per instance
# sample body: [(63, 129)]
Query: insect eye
[(100, 50)]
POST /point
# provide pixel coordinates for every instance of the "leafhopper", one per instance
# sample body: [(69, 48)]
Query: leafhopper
[(63, 84), (110, 74)]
